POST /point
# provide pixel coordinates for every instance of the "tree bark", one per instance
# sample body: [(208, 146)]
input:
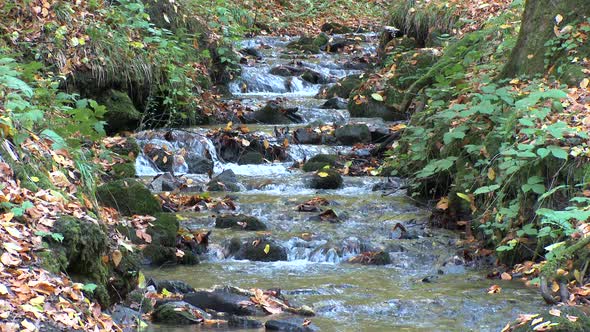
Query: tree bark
[(538, 20)]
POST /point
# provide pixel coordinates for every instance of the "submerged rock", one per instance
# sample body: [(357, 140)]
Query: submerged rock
[(336, 103), (239, 221), (290, 325), (129, 197), (243, 322), (351, 134), (326, 179), (173, 286), (223, 301)]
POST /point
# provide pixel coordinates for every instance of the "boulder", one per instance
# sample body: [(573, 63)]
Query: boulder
[(124, 316), (251, 158), (371, 258), (307, 136), (222, 300), (120, 114), (326, 179), (335, 103), (173, 286), (285, 70), (375, 109), (240, 221), (164, 182), (178, 313), (129, 197), (314, 77), (164, 229), (127, 148), (252, 52), (352, 134), (160, 155), (198, 164), (274, 112), (320, 161), (243, 322), (156, 254), (226, 181), (256, 250), (305, 44), (344, 87)]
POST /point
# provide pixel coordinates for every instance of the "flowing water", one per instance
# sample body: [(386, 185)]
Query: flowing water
[(425, 288)]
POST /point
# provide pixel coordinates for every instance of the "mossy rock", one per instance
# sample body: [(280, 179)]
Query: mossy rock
[(304, 44), (123, 171), (164, 229), (321, 40), (262, 250), (226, 181), (137, 298), (121, 113), (401, 44), (571, 74), (320, 161), (177, 313), (252, 157), (326, 179), (129, 148), (159, 255), (351, 134), (129, 197), (582, 324), (26, 173), (337, 28), (344, 87), (240, 221), (371, 108)]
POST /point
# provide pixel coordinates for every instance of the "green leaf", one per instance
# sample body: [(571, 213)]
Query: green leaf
[(89, 288), (377, 97), (557, 152), (486, 189), (542, 152)]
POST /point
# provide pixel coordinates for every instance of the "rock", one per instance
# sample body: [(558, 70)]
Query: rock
[(254, 250), (321, 40), (275, 113), (120, 114), (156, 254), (371, 258), (173, 286), (344, 87), (375, 109), (314, 77), (305, 45), (284, 70), (198, 164), (243, 323), (129, 197), (290, 325), (164, 182), (137, 299), (239, 221), (326, 179), (389, 185), (251, 158), (320, 161), (336, 28), (178, 313), (307, 136), (335, 103), (123, 171), (352, 134), (339, 45), (124, 316), (221, 300), (252, 52), (226, 181), (160, 155)]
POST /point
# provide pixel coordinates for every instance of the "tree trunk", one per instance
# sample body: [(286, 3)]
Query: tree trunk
[(528, 57)]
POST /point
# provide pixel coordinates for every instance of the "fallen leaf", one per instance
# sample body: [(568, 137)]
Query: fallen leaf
[(506, 276), (555, 312), (267, 249), (377, 97), (117, 257), (494, 289)]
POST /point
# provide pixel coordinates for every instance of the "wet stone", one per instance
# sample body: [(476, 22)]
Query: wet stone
[(290, 325), (240, 221)]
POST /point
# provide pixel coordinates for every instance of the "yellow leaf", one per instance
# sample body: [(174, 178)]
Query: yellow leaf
[(3, 289), (555, 312), (165, 160), (37, 300), (491, 174), (141, 280), (117, 257), (7, 216), (584, 83), (443, 204), (166, 292), (245, 142), (267, 249), (266, 144), (34, 179), (464, 196), (505, 26), (229, 125), (28, 325), (286, 142), (323, 174), (558, 18)]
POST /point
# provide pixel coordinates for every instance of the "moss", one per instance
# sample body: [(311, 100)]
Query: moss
[(137, 299), (571, 74), (337, 28), (129, 197), (123, 171), (129, 148), (26, 173), (164, 229), (319, 161), (53, 260), (121, 112), (242, 222), (321, 40), (305, 44)]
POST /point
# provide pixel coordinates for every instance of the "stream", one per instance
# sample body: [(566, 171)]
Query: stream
[(425, 288)]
